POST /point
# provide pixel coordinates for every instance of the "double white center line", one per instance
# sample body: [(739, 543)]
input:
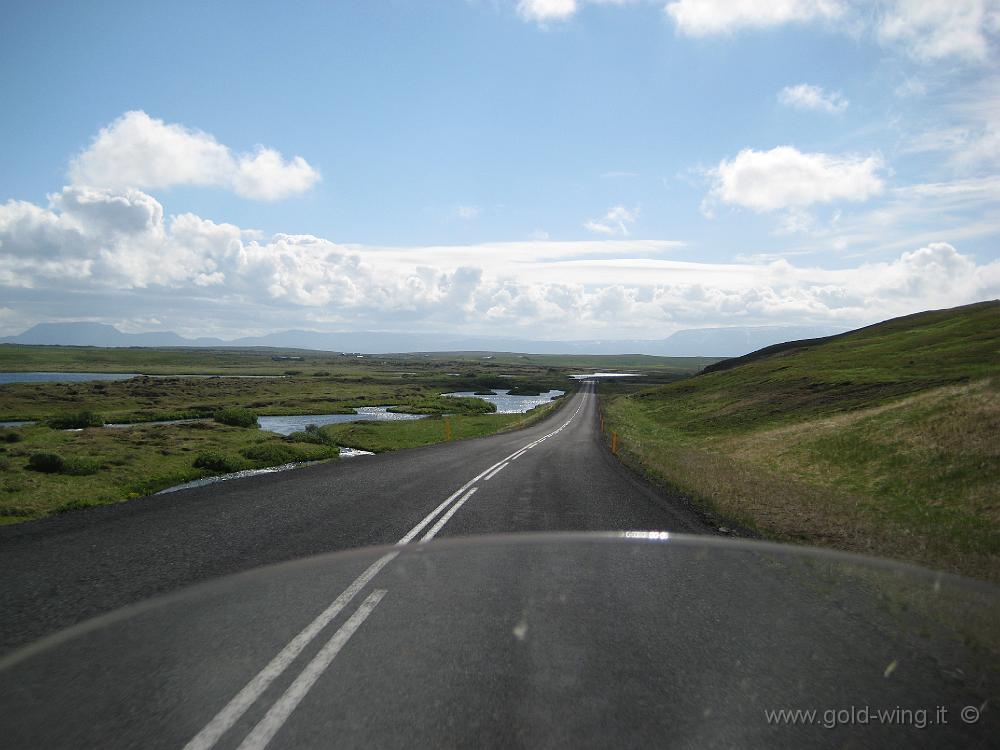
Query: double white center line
[(265, 730)]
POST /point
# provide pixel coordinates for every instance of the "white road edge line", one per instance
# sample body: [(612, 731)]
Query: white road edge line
[(496, 471), (228, 716), (412, 533), (447, 516), (231, 713), (275, 718)]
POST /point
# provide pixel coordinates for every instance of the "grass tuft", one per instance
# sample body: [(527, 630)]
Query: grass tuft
[(53, 463), (218, 462), (76, 421), (236, 417)]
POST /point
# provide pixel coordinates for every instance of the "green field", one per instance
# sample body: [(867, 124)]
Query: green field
[(100, 465), (379, 437), (884, 441), (119, 464), (261, 361), (147, 399), (316, 383)]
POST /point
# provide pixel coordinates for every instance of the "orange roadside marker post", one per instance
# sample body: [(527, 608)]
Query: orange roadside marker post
[(614, 443), (447, 429)]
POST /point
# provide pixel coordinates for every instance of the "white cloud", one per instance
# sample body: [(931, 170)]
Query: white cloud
[(615, 222), (807, 96), (138, 151), (467, 213), (962, 123), (977, 108), (942, 139), (89, 246), (969, 148), (796, 221), (267, 176), (927, 30), (785, 177), (933, 30), (913, 215), (541, 11), (911, 88), (706, 17)]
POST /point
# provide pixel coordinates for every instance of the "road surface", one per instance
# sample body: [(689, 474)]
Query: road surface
[(63, 570), (635, 640)]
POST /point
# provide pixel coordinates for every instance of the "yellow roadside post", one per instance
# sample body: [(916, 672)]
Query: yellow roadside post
[(447, 429)]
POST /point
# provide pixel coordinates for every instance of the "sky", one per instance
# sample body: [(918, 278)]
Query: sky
[(565, 169)]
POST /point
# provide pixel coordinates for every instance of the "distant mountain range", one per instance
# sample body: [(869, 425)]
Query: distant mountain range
[(695, 342)]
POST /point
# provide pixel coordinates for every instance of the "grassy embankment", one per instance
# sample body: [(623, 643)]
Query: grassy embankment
[(105, 465), (100, 465), (884, 441)]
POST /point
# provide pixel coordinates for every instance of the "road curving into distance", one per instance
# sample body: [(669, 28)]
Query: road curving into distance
[(553, 476), (447, 635)]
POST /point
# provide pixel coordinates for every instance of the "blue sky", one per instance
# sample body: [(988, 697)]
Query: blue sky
[(546, 168)]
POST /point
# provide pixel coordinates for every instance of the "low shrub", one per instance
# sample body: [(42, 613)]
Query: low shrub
[(47, 463), (75, 421), (236, 417), (446, 405), (78, 466), (76, 505), (312, 434), (12, 437), (274, 454), (218, 462), (164, 416), (53, 463), (10, 511)]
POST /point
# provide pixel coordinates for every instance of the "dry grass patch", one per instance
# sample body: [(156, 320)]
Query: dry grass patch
[(915, 480)]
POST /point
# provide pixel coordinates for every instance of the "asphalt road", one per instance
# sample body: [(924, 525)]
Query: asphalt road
[(626, 640), (60, 571)]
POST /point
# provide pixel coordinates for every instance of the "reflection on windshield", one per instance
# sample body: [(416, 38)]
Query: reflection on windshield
[(632, 639)]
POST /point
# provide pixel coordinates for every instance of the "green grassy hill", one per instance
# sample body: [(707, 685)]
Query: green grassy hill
[(884, 440)]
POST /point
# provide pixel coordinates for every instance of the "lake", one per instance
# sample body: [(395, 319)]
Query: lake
[(508, 404), (83, 377), (62, 377), (283, 425), (286, 425)]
